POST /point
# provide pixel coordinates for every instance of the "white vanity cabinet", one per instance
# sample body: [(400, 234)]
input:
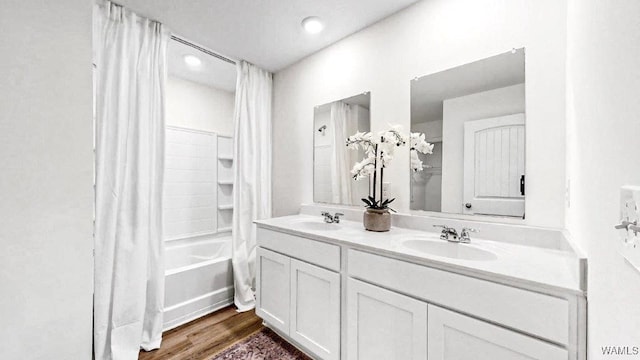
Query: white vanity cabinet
[(298, 292), (273, 288), (315, 309), (339, 301), (505, 323), (454, 336), (382, 324)]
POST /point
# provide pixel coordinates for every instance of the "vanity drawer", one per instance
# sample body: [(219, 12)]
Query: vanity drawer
[(534, 313), (311, 251)]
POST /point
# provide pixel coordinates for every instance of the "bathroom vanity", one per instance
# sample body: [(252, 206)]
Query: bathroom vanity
[(340, 292)]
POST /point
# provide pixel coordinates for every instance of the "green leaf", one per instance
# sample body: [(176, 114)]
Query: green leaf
[(388, 201)]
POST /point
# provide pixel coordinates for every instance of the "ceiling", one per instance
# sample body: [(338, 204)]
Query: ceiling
[(267, 33), (428, 92), (213, 72)]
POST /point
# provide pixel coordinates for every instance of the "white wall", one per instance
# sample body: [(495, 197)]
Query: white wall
[(46, 195), (431, 36), (604, 143), (195, 106), (487, 104)]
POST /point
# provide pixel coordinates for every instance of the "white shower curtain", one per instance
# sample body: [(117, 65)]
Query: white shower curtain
[(129, 269), (343, 121), (252, 175)]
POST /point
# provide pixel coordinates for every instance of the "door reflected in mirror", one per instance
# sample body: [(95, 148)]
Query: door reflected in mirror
[(332, 160), (474, 115)]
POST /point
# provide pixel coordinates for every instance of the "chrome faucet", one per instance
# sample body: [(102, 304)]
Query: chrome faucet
[(328, 218), (464, 235), (451, 235), (448, 233), (336, 217)]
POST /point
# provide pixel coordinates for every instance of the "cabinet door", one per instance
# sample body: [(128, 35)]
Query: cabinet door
[(385, 325), (453, 336), (315, 309), (272, 283)]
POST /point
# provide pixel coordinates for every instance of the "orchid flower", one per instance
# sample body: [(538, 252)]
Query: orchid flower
[(418, 144), (416, 163), (364, 168), (379, 153), (362, 140), (393, 136)]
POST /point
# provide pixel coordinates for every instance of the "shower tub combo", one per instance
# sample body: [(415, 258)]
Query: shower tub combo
[(198, 278)]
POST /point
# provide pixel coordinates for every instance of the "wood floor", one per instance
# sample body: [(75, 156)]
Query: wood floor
[(201, 339)]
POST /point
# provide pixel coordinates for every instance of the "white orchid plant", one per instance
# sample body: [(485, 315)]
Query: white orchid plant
[(379, 151)]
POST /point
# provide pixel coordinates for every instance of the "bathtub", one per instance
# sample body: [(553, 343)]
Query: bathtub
[(198, 278)]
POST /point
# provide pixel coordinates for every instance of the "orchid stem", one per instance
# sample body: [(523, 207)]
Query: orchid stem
[(381, 175), (381, 182), (375, 171)]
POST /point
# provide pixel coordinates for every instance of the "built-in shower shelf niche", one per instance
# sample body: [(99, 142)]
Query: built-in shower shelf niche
[(225, 183)]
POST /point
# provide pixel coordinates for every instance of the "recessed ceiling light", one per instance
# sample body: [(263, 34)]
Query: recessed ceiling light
[(312, 24), (192, 60)]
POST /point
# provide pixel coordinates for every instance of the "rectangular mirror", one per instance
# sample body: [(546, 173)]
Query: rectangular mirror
[(474, 115), (332, 161)]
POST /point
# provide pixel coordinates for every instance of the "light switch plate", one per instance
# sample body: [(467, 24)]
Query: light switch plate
[(630, 211)]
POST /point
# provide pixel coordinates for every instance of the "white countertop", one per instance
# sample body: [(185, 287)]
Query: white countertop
[(536, 268)]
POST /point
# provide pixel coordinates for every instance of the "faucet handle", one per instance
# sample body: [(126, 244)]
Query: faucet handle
[(625, 224), (464, 234), (446, 231), (336, 217)]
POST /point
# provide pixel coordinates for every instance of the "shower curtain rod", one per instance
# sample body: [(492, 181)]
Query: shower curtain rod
[(199, 48)]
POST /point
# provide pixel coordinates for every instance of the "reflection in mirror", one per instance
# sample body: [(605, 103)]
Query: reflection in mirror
[(332, 161), (474, 115)]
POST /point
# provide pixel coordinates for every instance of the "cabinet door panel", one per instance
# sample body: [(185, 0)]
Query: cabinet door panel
[(454, 336), (384, 325), (315, 309), (272, 274)]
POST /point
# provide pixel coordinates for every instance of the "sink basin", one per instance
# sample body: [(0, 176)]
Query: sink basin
[(318, 225), (449, 250)]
